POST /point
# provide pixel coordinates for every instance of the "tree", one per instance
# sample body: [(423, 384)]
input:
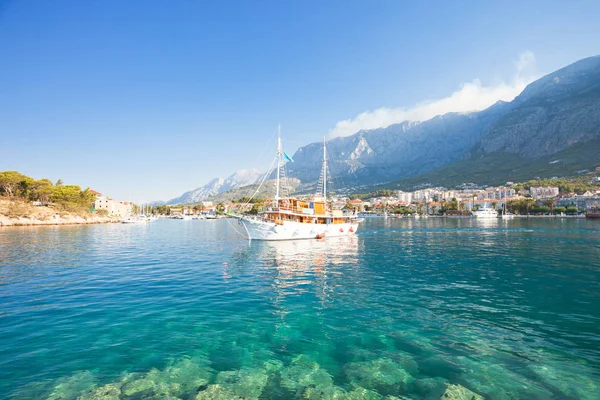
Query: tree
[(10, 182), (72, 195), (220, 208), (528, 204), (550, 203), (41, 190), (59, 182), (25, 186)]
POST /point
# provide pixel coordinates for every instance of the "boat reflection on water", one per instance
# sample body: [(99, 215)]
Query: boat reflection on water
[(295, 266), (486, 222), (298, 278)]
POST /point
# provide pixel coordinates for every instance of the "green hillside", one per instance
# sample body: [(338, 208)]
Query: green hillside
[(499, 167)]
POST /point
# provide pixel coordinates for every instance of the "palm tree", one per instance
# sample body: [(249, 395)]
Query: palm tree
[(528, 203), (551, 203)]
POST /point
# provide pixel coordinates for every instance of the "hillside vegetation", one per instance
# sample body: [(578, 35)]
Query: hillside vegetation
[(16, 186), (27, 201), (499, 167)]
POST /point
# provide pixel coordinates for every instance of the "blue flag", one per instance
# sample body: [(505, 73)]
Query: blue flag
[(287, 157)]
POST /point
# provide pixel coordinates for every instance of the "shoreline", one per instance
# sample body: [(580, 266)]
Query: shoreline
[(70, 220), (22, 213)]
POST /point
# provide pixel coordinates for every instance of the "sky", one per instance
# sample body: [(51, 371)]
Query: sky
[(143, 100)]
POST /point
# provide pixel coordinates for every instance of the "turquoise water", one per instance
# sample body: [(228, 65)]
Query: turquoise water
[(186, 309)]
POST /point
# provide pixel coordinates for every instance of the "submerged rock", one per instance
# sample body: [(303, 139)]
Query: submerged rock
[(325, 393), (106, 392), (217, 392), (361, 393), (383, 375), (498, 382), (458, 392), (404, 360), (143, 386), (272, 366), (246, 383), (184, 377), (304, 372), (412, 342), (573, 381), (430, 388), (73, 386), (181, 379)]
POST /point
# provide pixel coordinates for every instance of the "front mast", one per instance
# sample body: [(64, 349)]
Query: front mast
[(278, 163), (324, 169)]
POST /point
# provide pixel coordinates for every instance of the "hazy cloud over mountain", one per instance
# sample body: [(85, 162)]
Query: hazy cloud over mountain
[(471, 96)]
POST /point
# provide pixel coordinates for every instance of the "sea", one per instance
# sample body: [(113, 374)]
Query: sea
[(403, 309)]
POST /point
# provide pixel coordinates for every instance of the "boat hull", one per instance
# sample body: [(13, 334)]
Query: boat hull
[(263, 230)]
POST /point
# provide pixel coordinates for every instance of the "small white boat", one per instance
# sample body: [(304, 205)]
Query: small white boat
[(485, 213), (506, 214), (133, 220)]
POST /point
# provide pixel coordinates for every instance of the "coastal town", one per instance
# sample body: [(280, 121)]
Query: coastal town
[(26, 201)]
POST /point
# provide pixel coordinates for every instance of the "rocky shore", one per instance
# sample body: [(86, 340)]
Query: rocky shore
[(17, 213)]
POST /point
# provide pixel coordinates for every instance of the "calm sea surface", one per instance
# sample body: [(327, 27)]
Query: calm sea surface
[(188, 309)]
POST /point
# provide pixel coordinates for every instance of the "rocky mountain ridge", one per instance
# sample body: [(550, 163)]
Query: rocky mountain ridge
[(217, 186), (553, 113)]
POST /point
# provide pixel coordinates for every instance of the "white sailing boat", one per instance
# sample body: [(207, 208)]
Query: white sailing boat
[(290, 218), (506, 214)]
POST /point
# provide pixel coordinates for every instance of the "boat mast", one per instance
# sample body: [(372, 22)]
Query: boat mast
[(324, 169), (278, 163)]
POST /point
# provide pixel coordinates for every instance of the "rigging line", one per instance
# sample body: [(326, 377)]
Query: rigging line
[(261, 183), (337, 175), (287, 181), (234, 228), (260, 157)]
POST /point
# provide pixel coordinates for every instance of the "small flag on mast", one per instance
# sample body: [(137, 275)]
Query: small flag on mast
[(287, 157)]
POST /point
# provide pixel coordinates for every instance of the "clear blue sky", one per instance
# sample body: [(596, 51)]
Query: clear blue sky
[(147, 99)]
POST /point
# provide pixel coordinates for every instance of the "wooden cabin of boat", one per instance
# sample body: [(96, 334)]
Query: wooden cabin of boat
[(304, 211)]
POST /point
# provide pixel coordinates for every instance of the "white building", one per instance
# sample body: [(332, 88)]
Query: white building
[(543, 192), (406, 197), (114, 208)]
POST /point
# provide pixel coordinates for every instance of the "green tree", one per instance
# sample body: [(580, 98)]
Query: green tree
[(528, 203), (10, 182), (41, 190), (72, 195), (550, 203), (220, 208)]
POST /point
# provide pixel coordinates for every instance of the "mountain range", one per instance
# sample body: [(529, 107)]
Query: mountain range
[(552, 116), (217, 186)]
